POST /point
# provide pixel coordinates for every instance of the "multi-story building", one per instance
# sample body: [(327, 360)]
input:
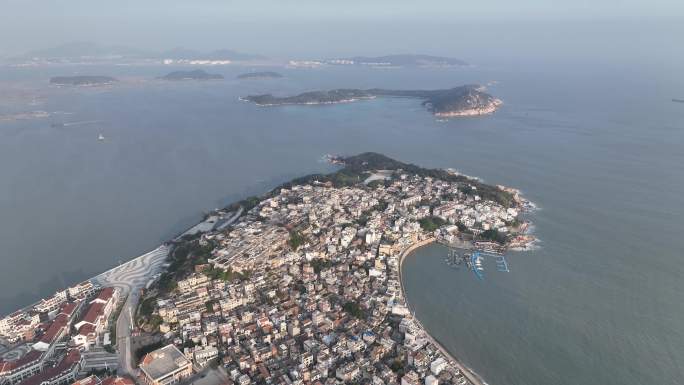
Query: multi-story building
[(165, 366)]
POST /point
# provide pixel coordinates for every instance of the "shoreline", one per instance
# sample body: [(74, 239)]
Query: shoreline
[(473, 377)]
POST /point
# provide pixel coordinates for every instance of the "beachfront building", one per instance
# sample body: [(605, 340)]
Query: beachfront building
[(63, 373), (96, 318)]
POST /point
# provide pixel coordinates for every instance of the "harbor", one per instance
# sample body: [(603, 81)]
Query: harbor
[(474, 260)]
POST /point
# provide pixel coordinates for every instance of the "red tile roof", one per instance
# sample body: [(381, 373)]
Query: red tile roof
[(68, 308), (94, 311), (30, 357), (72, 357), (86, 329), (90, 380), (55, 328), (106, 294), (117, 381)]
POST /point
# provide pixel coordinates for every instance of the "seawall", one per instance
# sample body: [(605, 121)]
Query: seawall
[(467, 372)]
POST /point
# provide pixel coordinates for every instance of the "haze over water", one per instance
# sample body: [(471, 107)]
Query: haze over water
[(592, 138)]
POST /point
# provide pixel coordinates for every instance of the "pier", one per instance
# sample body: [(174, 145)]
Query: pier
[(474, 261)]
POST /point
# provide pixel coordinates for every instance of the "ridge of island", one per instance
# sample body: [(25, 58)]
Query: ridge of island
[(191, 75), (467, 100), (82, 80)]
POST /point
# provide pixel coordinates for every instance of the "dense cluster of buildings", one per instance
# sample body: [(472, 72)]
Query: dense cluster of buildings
[(323, 303), (52, 335)]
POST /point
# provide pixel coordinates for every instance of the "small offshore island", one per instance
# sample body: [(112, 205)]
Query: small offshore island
[(468, 100), (82, 80), (260, 75), (300, 285), (191, 75)]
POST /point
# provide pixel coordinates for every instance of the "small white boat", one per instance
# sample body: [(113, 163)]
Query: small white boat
[(100, 137)]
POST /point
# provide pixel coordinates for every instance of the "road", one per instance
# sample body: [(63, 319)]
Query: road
[(130, 277)]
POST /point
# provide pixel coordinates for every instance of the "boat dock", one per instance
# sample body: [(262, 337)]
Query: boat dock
[(474, 261)]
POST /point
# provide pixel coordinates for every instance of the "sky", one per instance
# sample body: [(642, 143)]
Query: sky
[(282, 27)]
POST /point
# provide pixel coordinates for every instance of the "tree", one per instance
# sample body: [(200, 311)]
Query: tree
[(495, 236), (431, 224), (354, 309), (296, 239)]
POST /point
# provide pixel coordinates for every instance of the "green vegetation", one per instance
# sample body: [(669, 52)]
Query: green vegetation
[(185, 255), (495, 236), (140, 352), (398, 366), (113, 318), (319, 264), (210, 305), (167, 283), (454, 99), (296, 239), (147, 307), (188, 252), (154, 322), (463, 228), (358, 165), (354, 309), (431, 223), (227, 275)]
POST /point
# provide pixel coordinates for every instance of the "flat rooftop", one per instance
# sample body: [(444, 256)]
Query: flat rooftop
[(163, 361)]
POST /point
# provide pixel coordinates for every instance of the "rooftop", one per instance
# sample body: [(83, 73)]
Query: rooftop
[(163, 361)]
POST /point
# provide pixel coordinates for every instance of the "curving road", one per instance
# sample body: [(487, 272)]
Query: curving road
[(130, 277)]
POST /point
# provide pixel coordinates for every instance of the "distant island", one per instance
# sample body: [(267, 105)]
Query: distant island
[(191, 75), (260, 75), (387, 61), (82, 80), (94, 53), (678, 100), (399, 61), (468, 100)]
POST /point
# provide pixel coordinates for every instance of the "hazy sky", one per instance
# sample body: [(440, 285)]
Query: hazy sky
[(283, 26)]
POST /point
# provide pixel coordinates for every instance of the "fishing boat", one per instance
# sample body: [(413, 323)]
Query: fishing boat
[(476, 263)]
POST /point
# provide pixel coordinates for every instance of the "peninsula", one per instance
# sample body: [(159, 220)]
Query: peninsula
[(260, 75), (308, 280), (468, 100), (82, 80), (191, 75), (301, 284)]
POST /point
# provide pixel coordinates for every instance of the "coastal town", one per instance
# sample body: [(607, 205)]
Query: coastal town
[(303, 287)]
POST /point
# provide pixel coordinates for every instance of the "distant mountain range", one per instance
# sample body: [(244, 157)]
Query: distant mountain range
[(82, 80), (79, 51), (406, 60)]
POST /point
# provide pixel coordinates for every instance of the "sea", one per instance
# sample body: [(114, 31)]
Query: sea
[(596, 144)]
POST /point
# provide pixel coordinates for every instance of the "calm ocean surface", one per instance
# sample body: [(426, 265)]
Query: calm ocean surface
[(599, 302)]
